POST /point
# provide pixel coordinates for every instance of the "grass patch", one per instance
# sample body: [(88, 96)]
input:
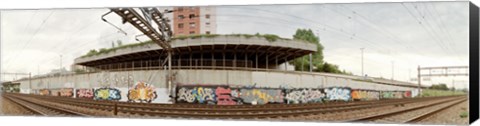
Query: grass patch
[(432, 92), (464, 114)]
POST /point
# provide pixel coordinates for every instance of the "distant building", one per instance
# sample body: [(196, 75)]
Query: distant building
[(194, 20)]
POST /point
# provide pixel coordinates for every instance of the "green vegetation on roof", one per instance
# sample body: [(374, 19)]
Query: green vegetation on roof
[(268, 37)]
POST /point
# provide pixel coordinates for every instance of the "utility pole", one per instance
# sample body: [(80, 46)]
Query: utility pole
[(361, 49), (419, 79), (393, 69), (60, 62), (453, 86), (30, 82)]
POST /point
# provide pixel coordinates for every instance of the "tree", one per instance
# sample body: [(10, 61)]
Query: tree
[(317, 57), (439, 87), (92, 52)]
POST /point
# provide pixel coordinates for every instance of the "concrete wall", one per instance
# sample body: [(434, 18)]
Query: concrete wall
[(203, 77)]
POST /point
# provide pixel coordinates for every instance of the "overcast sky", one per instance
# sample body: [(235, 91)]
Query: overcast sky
[(405, 34)]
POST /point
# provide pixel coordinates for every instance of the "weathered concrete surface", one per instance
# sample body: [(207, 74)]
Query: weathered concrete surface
[(126, 79)]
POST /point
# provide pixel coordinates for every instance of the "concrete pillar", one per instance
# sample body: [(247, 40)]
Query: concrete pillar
[(311, 67), (256, 60)]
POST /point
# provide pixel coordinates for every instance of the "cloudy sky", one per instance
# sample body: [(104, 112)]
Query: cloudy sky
[(403, 34)]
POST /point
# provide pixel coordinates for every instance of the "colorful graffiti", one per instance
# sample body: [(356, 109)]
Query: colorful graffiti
[(407, 94), (227, 96), (107, 94), (365, 95), (142, 92), (261, 96), (338, 93), (224, 95), (197, 95), (305, 96), (66, 92), (392, 94), (84, 93), (44, 92)]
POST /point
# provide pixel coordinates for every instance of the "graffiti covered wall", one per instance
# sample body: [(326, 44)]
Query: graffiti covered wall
[(64, 92), (365, 95), (338, 94), (196, 95), (261, 96), (142, 92), (44, 92), (85, 93), (227, 96), (107, 94), (296, 96), (392, 94)]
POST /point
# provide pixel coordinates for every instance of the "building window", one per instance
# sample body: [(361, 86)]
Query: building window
[(192, 24), (181, 17), (192, 32), (191, 16), (208, 32), (207, 16), (180, 25), (180, 9), (207, 23)]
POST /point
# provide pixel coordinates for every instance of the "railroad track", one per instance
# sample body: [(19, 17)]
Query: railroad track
[(41, 107), (124, 109), (412, 114)]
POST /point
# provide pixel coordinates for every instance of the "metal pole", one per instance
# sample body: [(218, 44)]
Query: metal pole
[(30, 82), (363, 74), (234, 59), (276, 62), (303, 58), (266, 65), (419, 77), (256, 60), (223, 55), (60, 62), (393, 72), (245, 60), (169, 80)]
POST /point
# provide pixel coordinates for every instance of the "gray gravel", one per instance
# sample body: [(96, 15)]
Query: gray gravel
[(450, 116)]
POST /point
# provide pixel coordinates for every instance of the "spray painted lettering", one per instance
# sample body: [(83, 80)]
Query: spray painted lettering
[(407, 94), (44, 92), (107, 94), (338, 93), (392, 94), (142, 92), (261, 96), (365, 95), (84, 93), (227, 96), (197, 94), (305, 96)]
